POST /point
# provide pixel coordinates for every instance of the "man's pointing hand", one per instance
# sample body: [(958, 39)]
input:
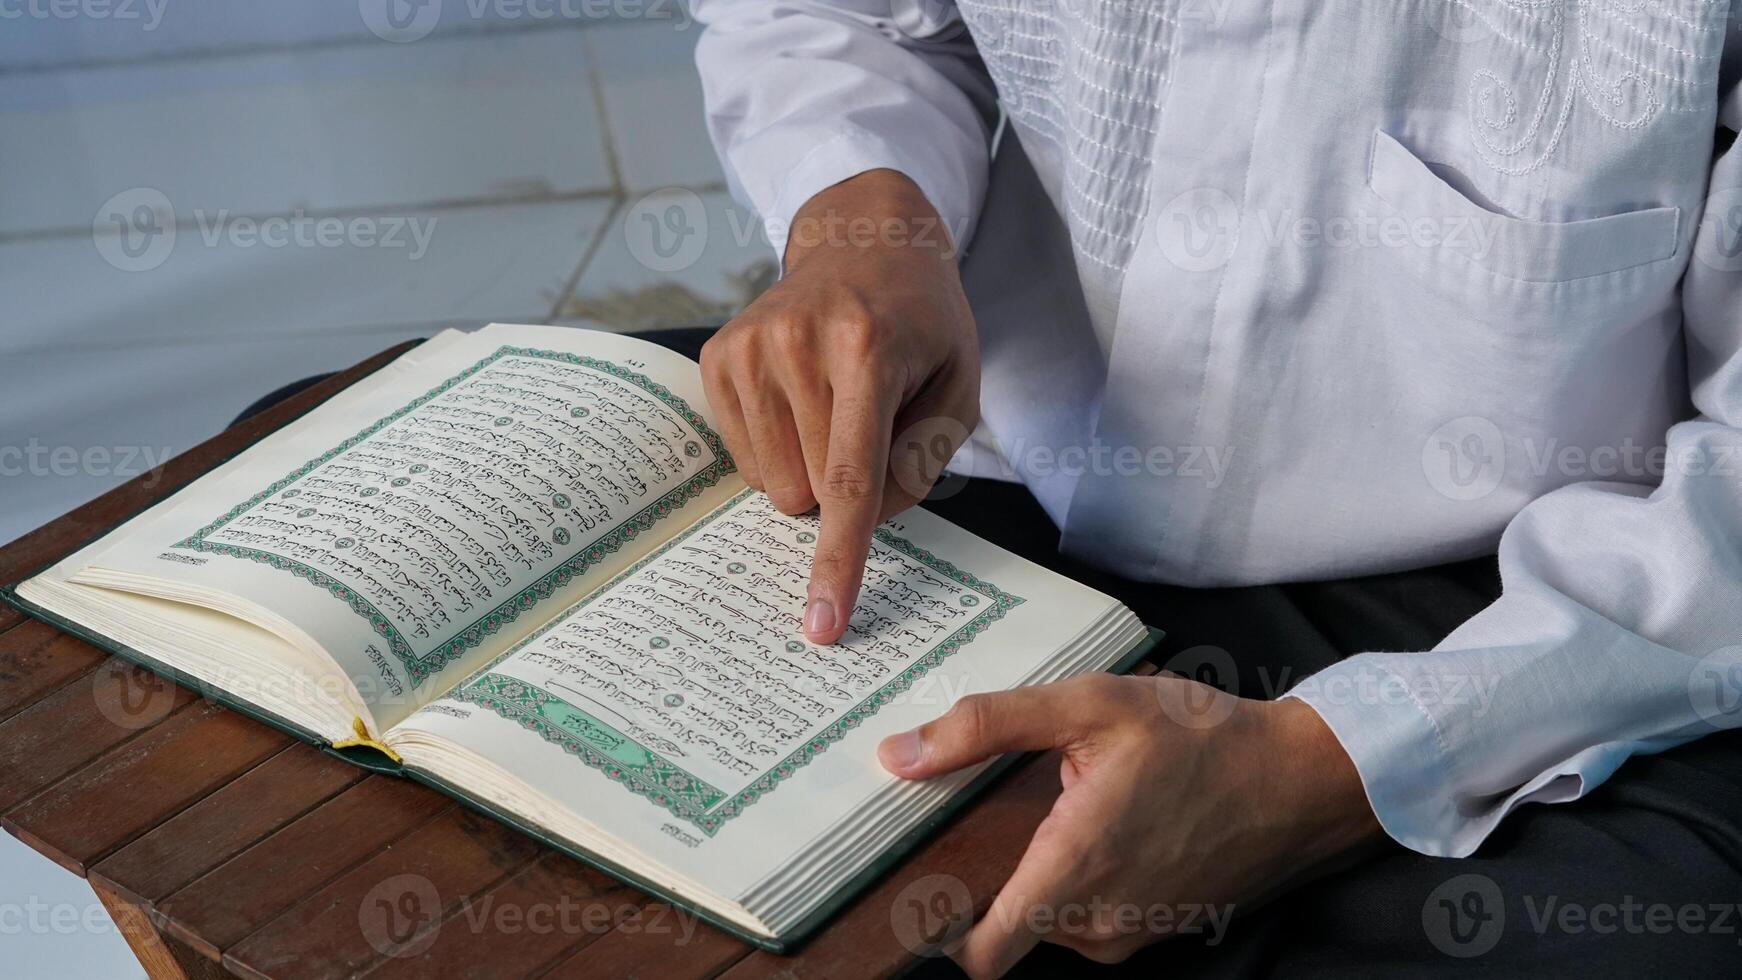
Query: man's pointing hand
[(866, 337)]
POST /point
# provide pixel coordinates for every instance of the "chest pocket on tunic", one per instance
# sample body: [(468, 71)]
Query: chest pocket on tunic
[(1456, 229)]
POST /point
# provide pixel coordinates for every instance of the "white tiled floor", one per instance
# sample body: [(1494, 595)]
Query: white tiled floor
[(716, 270), (135, 30), (654, 102), (477, 263), (489, 144), (324, 129), (125, 410), (492, 142)]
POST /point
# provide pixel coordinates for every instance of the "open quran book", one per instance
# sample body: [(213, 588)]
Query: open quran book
[(517, 564)]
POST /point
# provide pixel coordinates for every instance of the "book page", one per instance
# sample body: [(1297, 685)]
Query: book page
[(465, 502), (672, 703), (692, 679)]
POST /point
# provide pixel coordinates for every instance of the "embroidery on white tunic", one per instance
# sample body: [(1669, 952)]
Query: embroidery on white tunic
[(1088, 76), (1623, 60)]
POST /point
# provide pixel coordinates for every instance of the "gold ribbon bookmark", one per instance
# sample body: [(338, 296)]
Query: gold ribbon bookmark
[(365, 741)]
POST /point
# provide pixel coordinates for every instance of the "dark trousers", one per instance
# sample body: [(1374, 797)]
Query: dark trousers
[(1643, 877)]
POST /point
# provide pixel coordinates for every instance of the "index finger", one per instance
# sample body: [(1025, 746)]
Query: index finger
[(850, 496)]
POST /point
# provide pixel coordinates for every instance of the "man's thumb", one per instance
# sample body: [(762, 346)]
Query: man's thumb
[(979, 727)]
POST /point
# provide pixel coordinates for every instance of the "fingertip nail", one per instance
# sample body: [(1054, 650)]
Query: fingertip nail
[(819, 617), (902, 751)]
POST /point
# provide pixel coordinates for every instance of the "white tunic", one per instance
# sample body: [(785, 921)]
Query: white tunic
[(1274, 290)]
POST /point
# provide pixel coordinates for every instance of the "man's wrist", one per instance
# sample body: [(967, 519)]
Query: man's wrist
[(1324, 790), (876, 209)]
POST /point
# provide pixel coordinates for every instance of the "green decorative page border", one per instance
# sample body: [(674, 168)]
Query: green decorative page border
[(420, 669), (646, 773)]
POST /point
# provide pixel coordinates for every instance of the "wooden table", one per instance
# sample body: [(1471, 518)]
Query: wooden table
[(221, 846)]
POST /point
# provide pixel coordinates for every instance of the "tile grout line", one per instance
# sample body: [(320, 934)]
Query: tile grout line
[(373, 210), (607, 132), (338, 331), (366, 210), (332, 42), (608, 143), (592, 252)]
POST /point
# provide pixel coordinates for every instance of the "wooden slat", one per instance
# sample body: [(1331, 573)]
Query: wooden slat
[(391, 904), (106, 708), (545, 912), (140, 783), (35, 659), (663, 942), (9, 617), (205, 835), (243, 894), (28, 554)]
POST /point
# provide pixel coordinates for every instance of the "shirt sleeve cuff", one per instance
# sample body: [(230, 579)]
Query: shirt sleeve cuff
[(1396, 748), (855, 151), (1382, 708)]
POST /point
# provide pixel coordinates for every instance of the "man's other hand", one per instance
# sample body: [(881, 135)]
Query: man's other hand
[(1181, 804)]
